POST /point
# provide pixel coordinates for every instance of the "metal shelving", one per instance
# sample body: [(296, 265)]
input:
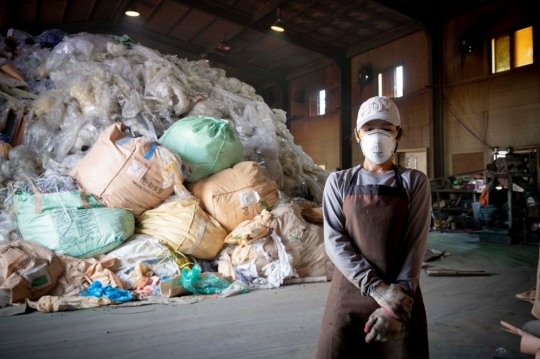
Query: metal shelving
[(451, 202)]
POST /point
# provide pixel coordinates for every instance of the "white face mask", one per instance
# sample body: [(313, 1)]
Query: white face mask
[(378, 146)]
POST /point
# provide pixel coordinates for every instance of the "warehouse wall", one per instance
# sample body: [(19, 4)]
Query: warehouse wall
[(412, 53), (479, 110), (319, 135), (482, 110)]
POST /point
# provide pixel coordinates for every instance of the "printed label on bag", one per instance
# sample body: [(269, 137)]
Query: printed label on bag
[(13, 256), (247, 198), (18, 260), (136, 169), (75, 227), (38, 276)]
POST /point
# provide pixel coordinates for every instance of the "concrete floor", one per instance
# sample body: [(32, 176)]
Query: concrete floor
[(463, 316)]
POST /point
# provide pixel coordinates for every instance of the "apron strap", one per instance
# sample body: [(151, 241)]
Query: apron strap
[(399, 181), (400, 184)]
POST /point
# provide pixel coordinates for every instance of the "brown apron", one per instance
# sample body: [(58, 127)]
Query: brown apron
[(375, 219)]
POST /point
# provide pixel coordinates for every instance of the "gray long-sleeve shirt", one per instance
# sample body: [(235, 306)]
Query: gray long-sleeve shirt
[(336, 238)]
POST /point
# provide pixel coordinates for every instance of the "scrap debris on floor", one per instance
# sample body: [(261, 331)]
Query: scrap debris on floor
[(133, 171), (455, 272), (432, 255)]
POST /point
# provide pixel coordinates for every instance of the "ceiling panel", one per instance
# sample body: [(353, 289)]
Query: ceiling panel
[(317, 31), (166, 17), (50, 12)]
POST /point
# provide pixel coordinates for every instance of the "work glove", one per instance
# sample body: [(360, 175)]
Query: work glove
[(393, 299), (382, 327)]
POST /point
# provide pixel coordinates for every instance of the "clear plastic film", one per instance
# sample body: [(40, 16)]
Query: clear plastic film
[(91, 81)]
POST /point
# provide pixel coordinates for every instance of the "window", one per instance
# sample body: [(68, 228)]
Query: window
[(321, 103), (390, 82), (318, 102), (512, 50)]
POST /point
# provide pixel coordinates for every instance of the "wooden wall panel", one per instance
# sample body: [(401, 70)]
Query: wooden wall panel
[(319, 137), (465, 163), (415, 106), (479, 110), (483, 110)]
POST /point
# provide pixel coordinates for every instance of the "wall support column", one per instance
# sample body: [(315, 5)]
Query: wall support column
[(345, 116)]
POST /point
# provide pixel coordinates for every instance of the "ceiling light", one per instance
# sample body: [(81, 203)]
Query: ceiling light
[(224, 46), (131, 11), (279, 24)]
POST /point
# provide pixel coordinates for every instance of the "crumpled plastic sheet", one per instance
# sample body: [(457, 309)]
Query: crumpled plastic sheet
[(8, 226), (276, 271), (97, 80), (196, 283), (97, 290)]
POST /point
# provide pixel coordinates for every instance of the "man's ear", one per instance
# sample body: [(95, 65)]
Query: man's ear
[(356, 135), (399, 132)]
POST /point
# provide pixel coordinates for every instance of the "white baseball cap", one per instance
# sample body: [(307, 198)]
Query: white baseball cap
[(378, 108)]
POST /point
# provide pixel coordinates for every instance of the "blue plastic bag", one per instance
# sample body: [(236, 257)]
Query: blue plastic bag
[(96, 289)]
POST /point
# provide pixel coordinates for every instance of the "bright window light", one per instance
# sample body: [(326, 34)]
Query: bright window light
[(321, 103), (399, 82), (390, 82), (512, 49)]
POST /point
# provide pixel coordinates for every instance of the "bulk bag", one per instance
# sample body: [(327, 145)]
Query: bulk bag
[(236, 194), (27, 270), (5, 148), (205, 144), (71, 223), (185, 226), (304, 241), (134, 173)]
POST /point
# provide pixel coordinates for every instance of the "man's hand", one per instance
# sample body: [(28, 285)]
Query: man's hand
[(381, 327), (394, 300)]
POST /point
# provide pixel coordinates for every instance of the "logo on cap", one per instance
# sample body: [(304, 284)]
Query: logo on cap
[(378, 108)]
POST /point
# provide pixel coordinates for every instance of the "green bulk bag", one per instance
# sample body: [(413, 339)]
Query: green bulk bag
[(72, 223), (207, 145)]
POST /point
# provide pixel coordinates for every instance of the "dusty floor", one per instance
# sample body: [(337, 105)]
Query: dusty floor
[(463, 314)]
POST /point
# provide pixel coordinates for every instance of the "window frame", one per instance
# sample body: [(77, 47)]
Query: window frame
[(323, 111), (511, 34), (388, 78), (314, 99)]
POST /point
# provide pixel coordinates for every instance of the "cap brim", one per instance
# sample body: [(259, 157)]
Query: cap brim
[(376, 116)]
